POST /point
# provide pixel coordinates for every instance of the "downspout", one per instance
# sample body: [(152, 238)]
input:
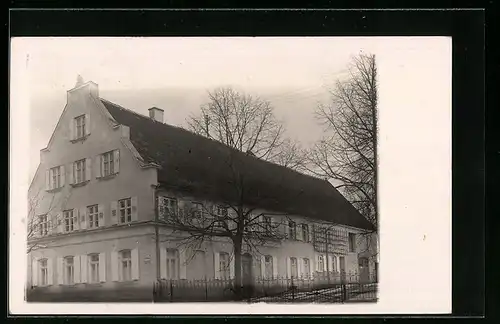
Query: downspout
[(157, 232)]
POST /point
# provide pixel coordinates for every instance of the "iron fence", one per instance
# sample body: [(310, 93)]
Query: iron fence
[(322, 287)]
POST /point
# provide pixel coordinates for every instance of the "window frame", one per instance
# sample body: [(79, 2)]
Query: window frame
[(43, 225), (172, 256), (79, 174), (294, 264), (351, 242), (292, 230), (92, 279), (67, 279), (55, 177), (80, 127), (43, 272), (108, 159), (126, 260), (305, 232), (93, 216), (69, 222), (268, 267), (127, 208), (166, 204), (224, 271)]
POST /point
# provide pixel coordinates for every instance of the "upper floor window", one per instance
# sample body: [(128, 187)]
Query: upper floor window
[(80, 126), (167, 206), (305, 232), (43, 272), (292, 230), (108, 164), (125, 207), (69, 270), (69, 220), (55, 178), (93, 215), (197, 209), (43, 225), (79, 171), (126, 265), (267, 224), (220, 211), (352, 242)]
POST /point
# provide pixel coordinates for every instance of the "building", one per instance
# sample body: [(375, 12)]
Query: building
[(108, 171)]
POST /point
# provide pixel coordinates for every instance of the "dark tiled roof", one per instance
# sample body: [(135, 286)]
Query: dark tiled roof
[(193, 164)]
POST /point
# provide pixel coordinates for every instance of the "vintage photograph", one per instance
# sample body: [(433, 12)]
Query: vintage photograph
[(202, 170)]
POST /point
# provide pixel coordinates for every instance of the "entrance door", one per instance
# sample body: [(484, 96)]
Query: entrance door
[(246, 269), (342, 268), (364, 270)]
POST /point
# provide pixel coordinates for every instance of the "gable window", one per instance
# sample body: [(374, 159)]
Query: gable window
[(305, 232), (126, 265), (267, 224), (125, 206), (79, 171), (69, 220), (43, 272), (43, 225), (172, 264), (94, 268), (268, 267), (69, 270), (224, 265), (108, 164), (80, 126), (93, 213), (55, 177), (292, 230), (352, 242), (168, 206), (293, 268)]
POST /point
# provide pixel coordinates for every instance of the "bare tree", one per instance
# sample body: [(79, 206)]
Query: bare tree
[(235, 219), (348, 151), (248, 124)]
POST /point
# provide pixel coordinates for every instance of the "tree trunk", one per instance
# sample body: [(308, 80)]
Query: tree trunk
[(237, 243)]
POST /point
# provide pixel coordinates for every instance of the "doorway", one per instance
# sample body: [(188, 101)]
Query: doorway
[(364, 269)]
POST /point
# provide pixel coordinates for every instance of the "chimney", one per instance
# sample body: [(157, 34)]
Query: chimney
[(156, 114), (82, 89)]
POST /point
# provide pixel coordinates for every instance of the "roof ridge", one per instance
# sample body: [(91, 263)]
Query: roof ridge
[(222, 144)]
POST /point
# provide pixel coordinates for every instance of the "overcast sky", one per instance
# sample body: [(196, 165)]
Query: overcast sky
[(175, 73)]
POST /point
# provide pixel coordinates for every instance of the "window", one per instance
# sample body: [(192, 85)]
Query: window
[(172, 264), (334, 264), (352, 242), (292, 230), (79, 171), (224, 265), (267, 224), (125, 206), (108, 164), (55, 178), (69, 220), (268, 264), (43, 225), (168, 206), (307, 267), (80, 126), (293, 268), (197, 209), (44, 272), (220, 211), (321, 264), (305, 232), (93, 213), (94, 268), (126, 265), (69, 270)]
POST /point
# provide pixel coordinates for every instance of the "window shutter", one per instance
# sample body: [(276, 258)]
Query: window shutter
[(298, 230), (60, 271), (98, 166), (311, 226), (102, 267), (71, 173), (88, 169), (87, 124), (83, 217), (34, 272), (163, 263), (275, 267), (116, 161), (288, 268), (330, 262), (216, 265), (114, 212), (63, 175), (263, 266), (100, 209), (134, 209), (182, 264), (232, 269), (84, 266), (135, 264), (47, 180), (71, 129), (324, 262), (60, 223), (114, 266), (77, 267)]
